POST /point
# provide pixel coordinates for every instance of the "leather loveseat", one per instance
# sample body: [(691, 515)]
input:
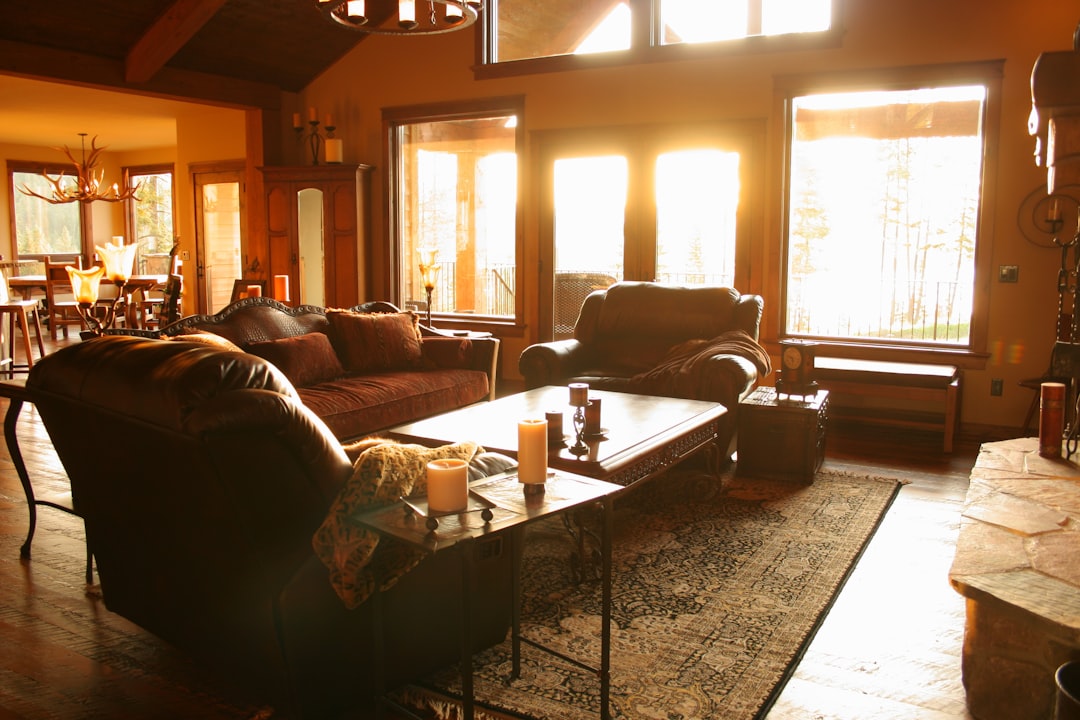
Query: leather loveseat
[(694, 342), (360, 370), (202, 479)]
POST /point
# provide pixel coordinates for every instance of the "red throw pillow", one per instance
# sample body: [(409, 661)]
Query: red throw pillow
[(368, 342), (305, 359)]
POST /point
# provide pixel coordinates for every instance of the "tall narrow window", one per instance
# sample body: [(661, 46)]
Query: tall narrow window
[(884, 201), (150, 218), (455, 211), (41, 228)]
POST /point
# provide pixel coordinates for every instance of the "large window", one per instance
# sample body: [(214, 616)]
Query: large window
[(518, 31), (666, 204), (454, 198), (41, 228), (150, 217), (884, 199)]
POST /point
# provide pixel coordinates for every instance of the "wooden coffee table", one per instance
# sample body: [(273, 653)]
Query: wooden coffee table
[(643, 435)]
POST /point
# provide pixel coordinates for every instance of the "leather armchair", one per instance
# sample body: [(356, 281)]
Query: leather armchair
[(624, 333), (202, 478)]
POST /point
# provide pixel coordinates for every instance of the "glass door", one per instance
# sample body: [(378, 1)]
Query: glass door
[(219, 236)]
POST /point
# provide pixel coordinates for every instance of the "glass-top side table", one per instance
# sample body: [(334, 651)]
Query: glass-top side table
[(499, 505)]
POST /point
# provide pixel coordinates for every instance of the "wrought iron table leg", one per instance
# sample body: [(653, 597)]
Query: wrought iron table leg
[(11, 420)]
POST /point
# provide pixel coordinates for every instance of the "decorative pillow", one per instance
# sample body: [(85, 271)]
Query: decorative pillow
[(305, 359), (208, 338), (368, 342)]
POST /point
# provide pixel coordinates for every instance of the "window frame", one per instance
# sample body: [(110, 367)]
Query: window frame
[(388, 256), (129, 173), (642, 144), (990, 75), (645, 46), (85, 215)]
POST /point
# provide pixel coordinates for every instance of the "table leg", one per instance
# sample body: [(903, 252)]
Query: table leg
[(515, 606), (605, 612), (468, 582), (11, 420)]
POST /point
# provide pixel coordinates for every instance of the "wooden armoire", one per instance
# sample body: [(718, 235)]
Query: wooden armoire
[(317, 223)]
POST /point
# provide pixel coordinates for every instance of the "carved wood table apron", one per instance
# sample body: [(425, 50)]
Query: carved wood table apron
[(643, 435), (507, 509)]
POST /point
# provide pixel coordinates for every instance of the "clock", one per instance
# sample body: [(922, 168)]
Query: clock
[(797, 368)]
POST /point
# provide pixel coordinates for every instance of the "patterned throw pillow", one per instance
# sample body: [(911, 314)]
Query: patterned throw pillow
[(371, 342), (305, 359), (208, 338)]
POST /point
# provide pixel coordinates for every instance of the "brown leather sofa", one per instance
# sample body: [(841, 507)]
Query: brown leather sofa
[(694, 342), (202, 478), (451, 373)]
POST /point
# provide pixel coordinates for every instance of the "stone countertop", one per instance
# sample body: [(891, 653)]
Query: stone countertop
[(1020, 531)]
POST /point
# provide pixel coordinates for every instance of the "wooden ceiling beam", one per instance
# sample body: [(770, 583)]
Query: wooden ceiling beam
[(35, 61), (166, 36)]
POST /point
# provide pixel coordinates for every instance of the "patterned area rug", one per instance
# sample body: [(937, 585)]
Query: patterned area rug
[(714, 602)]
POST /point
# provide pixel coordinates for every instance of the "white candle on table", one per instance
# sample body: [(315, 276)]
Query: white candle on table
[(532, 451), (447, 485)]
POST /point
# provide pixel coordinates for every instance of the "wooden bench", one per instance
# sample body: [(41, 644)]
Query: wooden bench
[(922, 384)]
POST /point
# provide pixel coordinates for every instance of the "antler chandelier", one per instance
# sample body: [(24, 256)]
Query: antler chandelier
[(378, 18), (86, 186)]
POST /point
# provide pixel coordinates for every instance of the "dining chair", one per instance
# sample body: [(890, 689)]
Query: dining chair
[(62, 310), (21, 312)]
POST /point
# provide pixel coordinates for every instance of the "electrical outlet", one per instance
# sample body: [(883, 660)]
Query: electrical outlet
[(1008, 273), (997, 386), (185, 255)]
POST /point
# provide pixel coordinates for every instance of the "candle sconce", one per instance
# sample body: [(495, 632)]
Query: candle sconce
[(1053, 221), (315, 138)]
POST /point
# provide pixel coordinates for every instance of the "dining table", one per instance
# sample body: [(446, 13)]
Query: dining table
[(27, 285)]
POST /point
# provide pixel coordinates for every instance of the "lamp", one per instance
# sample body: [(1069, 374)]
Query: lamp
[(86, 186), (378, 16), (429, 273), (118, 260)]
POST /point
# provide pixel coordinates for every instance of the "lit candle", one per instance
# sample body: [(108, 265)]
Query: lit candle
[(447, 485), (312, 116), (296, 120), (281, 288), (254, 291), (579, 394), (532, 451)]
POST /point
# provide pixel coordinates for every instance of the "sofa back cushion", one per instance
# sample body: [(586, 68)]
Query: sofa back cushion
[(306, 359), (373, 342)]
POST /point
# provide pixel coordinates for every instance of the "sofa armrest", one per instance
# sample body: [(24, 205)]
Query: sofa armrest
[(551, 362), (463, 353)]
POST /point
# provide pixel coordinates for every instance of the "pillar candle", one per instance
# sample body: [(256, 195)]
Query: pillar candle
[(254, 291), (579, 394), (555, 427), (296, 120), (312, 116), (335, 150), (447, 485), (592, 416), (1051, 418), (532, 451), (281, 288)]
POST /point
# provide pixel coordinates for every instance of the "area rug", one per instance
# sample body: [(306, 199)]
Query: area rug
[(714, 601)]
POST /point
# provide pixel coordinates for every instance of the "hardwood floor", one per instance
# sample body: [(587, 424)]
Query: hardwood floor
[(889, 648)]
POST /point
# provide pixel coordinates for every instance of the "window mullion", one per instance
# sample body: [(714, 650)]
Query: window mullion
[(644, 21)]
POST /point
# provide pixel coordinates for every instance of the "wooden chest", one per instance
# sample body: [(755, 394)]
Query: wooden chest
[(782, 437)]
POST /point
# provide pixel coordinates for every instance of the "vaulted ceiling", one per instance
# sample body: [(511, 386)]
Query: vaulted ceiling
[(229, 51)]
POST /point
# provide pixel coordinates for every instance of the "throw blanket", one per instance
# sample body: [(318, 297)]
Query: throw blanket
[(382, 474), (685, 370)]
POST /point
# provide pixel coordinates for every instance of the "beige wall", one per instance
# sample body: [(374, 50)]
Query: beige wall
[(384, 72)]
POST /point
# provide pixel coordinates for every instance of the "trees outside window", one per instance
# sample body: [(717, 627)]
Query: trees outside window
[(883, 224), (41, 228), (150, 217)]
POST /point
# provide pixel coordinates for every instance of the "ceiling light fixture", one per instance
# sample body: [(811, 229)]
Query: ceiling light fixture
[(86, 186), (377, 17)]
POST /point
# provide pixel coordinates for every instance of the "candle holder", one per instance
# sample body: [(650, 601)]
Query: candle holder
[(315, 138), (579, 399)]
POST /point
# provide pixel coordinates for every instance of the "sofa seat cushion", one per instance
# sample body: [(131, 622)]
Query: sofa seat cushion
[(357, 405)]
